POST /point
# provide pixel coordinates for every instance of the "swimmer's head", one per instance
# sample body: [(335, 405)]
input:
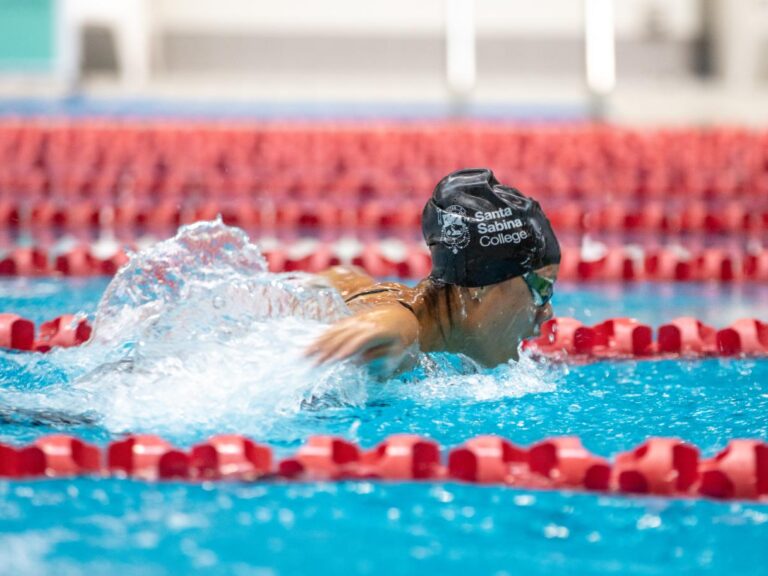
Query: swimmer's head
[(496, 257), (481, 232)]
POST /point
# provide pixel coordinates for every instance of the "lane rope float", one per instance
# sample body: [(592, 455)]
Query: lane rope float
[(659, 466)]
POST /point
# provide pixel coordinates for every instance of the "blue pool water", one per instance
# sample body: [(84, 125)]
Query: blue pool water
[(89, 526), (102, 527)]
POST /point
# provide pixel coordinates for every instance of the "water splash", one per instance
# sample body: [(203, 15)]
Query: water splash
[(209, 282), (210, 336), (195, 334)]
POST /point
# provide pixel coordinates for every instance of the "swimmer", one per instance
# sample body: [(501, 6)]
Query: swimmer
[(495, 260)]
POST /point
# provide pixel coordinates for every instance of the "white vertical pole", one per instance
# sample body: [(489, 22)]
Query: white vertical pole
[(738, 42), (461, 66), (68, 44), (600, 45)]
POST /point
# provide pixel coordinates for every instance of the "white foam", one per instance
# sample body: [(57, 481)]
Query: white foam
[(442, 377)]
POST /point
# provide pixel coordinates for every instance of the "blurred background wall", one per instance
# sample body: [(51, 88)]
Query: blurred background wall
[(702, 61)]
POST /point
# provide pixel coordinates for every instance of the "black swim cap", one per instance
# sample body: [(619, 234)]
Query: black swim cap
[(481, 232)]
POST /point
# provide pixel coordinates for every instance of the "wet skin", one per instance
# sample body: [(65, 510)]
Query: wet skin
[(487, 323)]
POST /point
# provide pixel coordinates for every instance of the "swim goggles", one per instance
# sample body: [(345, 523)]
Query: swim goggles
[(541, 288)]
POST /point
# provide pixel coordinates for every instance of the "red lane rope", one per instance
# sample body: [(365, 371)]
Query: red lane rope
[(732, 216), (564, 339), (17, 333), (662, 466), (570, 340), (104, 159), (411, 260)]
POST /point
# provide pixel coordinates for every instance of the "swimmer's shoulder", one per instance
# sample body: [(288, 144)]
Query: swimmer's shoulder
[(347, 279), (358, 288)]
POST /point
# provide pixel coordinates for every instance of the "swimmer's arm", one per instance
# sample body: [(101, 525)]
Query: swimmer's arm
[(383, 331), (380, 331)]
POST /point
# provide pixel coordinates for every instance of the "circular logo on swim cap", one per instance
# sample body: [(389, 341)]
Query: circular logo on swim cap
[(455, 232)]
